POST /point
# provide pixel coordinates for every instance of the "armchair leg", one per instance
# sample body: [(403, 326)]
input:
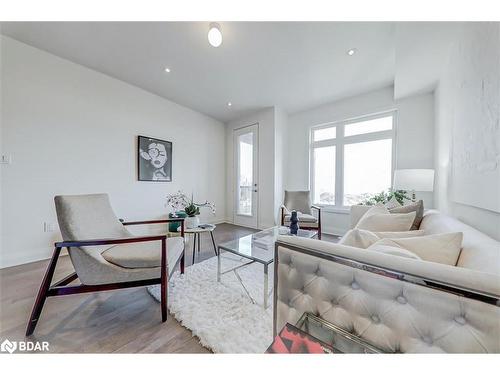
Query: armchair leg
[(42, 292), (164, 281)]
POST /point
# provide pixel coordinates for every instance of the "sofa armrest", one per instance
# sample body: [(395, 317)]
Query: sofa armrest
[(385, 299)]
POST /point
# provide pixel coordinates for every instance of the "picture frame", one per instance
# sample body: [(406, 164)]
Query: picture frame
[(154, 159)]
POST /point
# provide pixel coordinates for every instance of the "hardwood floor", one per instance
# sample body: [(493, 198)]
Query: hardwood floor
[(124, 321)]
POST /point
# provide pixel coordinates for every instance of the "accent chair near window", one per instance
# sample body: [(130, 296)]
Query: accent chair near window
[(301, 202)]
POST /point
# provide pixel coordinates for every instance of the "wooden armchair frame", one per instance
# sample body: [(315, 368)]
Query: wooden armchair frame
[(303, 225), (60, 288)]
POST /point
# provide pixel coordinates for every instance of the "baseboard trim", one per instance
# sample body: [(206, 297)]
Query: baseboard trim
[(41, 255)]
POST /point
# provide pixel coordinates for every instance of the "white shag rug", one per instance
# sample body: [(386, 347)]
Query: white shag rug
[(221, 314)]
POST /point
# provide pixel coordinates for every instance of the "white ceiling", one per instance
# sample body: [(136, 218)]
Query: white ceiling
[(295, 65), (422, 51)]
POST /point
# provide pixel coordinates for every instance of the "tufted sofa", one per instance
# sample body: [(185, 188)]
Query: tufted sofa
[(398, 304)]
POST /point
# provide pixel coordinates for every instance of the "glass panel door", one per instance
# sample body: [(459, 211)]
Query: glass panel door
[(245, 173)]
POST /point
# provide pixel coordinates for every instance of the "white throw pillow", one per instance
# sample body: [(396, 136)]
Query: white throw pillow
[(379, 219), (392, 203), (363, 238), (439, 248), (391, 250)]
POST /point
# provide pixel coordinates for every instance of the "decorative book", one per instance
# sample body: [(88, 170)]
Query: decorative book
[(292, 340)]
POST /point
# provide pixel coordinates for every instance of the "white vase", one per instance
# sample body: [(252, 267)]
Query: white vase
[(192, 222)]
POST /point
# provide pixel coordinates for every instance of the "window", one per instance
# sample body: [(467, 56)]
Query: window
[(351, 159), (245, 178), (324, 175)]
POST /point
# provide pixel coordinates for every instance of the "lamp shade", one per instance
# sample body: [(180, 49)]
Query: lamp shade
[(414, 179)]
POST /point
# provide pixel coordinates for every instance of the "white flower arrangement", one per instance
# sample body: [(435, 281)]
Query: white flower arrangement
[(179, 201)]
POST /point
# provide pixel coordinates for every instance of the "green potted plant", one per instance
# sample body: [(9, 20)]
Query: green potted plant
[(385, 196), (192, 211)]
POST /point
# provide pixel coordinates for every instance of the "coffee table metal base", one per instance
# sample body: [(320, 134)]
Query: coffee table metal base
[(235, 271)]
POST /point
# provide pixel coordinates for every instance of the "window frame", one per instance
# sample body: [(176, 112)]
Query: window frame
[(339, 142)]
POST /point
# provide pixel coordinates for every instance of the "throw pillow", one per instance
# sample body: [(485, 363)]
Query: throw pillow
[(363, 238), (392, 203), (391, 250), (417, 207), (439, 248), (378, 219)]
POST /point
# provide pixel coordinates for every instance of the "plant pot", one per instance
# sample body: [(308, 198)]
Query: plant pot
[(192, 222), (172, 227)]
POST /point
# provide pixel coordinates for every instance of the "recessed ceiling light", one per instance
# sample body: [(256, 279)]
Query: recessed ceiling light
[(167, 70), (352, 51), (229, 104), (214, 35)]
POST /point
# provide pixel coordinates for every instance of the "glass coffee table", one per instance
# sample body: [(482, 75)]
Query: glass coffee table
[(256, 248), (337, 338), (312, 334)]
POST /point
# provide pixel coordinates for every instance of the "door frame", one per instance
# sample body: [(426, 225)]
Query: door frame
[(251, 221)]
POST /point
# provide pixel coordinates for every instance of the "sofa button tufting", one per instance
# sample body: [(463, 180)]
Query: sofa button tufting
[(355, 285), (427, 340), (460, 320), (402, 300), (375, 319)]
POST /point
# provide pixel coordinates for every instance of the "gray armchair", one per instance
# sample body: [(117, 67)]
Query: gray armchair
[(105, 254), (301, 202)]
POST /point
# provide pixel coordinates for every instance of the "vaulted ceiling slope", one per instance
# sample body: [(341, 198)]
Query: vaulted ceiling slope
[(294, 65)]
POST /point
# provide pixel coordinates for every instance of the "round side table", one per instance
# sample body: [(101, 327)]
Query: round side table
[(196, 232)]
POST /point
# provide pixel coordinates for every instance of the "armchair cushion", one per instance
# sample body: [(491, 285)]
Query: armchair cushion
[(144, 254), (303, 218), (87, 216), (298, 201)]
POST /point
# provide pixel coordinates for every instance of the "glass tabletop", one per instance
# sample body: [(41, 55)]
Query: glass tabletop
[(339, 339), (260, 246)]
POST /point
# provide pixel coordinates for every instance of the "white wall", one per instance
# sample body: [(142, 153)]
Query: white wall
[(452, 80), (72, 130), (414, 143), (280, 158)]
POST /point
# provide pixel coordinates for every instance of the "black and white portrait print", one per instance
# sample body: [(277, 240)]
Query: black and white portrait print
[(154, 159)]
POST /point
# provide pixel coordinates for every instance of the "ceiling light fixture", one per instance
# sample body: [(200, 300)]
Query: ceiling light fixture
[(352, 51), (167, 70), (214, 35), (229, 104)]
